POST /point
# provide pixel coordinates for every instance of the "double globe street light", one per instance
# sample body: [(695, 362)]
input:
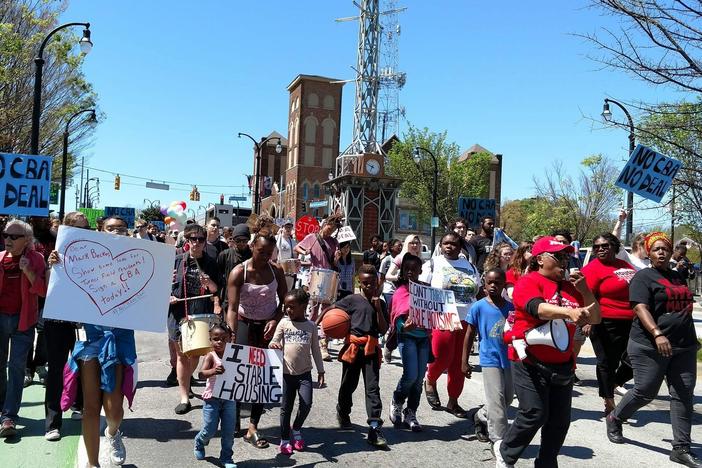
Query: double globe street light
[(259, 145), (64, 157)]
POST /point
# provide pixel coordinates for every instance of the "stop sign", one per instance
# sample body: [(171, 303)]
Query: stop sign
[(306, 225)]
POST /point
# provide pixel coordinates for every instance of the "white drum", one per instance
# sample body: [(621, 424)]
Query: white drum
[(324, 285), (195, 334)]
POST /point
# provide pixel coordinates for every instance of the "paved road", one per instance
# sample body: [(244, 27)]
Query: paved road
[(156, 437)]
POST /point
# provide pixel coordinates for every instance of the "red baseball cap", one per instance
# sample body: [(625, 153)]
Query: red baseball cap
[(550, 244)]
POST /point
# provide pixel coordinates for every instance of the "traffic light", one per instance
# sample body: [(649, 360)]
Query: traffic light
[(221, 199), (117, 182), (196, 193), (192, 195), (304, 206)]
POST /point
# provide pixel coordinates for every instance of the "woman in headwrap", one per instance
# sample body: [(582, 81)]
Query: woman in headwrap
[(662, 344)]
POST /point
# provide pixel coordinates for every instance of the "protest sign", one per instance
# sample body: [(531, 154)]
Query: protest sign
[(648, 173), (433, 308), (127, 214), (251, 375), (159, 224), (92, 214), (474, 209), (306, 225), (25, 184), (345, 234), (110, 280)]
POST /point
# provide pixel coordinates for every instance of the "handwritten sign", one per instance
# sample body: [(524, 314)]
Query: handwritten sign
[(345, 234), (127, 214), (648, 173), (159, 224), (92, 214), (110, 280), (474, 209), (25, 184), (306, 225), (251, 375), (433, 308)]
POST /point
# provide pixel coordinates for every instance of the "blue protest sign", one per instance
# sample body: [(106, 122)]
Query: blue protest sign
[(474, 209), (159, 224), (128, 214), (25, 184), (648, 173)]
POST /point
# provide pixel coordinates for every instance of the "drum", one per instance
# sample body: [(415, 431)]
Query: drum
[(195, 334), (291, 266), (323, 285)]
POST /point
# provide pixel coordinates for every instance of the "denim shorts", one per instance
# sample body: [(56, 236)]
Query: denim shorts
[(173, 329), (90, 351)]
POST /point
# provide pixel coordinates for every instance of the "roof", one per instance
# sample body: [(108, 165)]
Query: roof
[(323, 79), (475, 149), (273, 135)]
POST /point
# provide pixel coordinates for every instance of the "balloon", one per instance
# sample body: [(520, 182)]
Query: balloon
[(164, 210), (168, 220), (178, 208), (183, 204), (181, 218), (173, 225), (171, 212)]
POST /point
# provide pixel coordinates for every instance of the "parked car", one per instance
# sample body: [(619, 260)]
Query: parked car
[(585, 254), (426, 253)]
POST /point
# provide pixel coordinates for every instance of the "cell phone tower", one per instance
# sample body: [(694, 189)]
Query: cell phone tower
[(391, 78)]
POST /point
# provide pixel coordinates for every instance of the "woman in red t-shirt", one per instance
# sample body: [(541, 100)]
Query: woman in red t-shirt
[(518, 266), (543, 373), (608, 277)]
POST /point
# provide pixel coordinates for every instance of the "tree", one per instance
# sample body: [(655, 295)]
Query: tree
[(23, 25), (530, 217), (152, 213), (468, 178), (588, 199)]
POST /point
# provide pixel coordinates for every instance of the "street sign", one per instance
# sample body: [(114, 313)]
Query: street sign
[(648, 173), (474, 209), (435, 222), (237, 198), (155, 185), (319, 203), (53, 193)]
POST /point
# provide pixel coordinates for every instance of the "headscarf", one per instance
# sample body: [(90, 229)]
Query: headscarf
[(655, 237)]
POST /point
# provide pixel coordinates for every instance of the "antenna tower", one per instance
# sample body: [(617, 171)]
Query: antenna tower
[(391, 79)]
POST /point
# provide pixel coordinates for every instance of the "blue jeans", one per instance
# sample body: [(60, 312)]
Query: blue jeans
[(12, 382), (215, 410), (415, 354)]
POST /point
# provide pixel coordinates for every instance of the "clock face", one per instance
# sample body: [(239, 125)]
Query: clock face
[(372, 167)]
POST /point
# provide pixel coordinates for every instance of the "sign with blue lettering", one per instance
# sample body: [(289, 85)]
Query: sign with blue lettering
[(25, 184), (159, 224), (128, 214), (474, 209), (648, 173)]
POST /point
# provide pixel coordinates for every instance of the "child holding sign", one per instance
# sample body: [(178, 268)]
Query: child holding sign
[(216, 409), (297, 337)]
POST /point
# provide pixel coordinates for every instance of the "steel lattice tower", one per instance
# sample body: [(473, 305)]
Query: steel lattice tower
[(391, 79)]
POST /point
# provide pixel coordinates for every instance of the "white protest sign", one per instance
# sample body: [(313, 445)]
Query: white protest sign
[(110, 280), (345, 234), (433, 308), (648, 173), (251, 375)]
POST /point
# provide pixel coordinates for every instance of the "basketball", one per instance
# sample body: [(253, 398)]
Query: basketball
[(336, 323)]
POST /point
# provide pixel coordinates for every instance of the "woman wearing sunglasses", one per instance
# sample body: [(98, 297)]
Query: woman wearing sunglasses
[(608, 277), (543, 372), (22, 281)]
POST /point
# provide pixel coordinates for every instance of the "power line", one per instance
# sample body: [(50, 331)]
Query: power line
[(151, 179)]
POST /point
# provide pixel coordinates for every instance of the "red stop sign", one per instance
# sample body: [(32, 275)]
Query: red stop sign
[(306, 225)]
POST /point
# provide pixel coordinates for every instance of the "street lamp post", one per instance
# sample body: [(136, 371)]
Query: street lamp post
[(64, 159), (85, 46), (607, 115), (417, 158), (278, 149)]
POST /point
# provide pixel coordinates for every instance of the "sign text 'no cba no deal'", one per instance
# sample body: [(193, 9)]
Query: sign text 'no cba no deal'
[(25, 184), (648, 173)]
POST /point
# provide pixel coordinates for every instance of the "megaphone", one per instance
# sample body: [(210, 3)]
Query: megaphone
[(553, 333)]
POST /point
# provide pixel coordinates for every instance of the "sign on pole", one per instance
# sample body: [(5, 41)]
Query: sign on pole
[(25, 184), (306, 225), (251, 375), (648, 173), (319, 203), (110, 280), (474, 209), (128, 214), (433, 308), (92, 214)]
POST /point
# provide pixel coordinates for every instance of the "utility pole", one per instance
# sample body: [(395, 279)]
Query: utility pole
[(80, 189), (672, 217)]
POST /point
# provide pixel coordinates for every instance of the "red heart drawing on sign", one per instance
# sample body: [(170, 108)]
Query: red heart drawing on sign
[(108, 280)]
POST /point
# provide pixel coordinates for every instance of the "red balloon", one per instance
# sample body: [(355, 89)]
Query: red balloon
[(182, 204), (306, 225)]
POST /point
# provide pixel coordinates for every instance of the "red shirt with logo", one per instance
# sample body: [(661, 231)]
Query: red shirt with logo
[(610, 285), (11, 295), (534, 285)]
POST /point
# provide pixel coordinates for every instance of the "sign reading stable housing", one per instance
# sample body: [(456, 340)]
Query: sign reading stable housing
[(25, 184), (648, 173)]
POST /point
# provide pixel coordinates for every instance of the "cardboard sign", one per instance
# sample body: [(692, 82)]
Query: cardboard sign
[(345, 234), (110, 280), (92, 214), (648, 173), (474, 209), (159, 224), (251, 375), (25, 184), (306, 225), (433, 308), (128, 214)]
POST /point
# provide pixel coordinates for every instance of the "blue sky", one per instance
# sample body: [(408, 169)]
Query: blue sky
[(178, 79)]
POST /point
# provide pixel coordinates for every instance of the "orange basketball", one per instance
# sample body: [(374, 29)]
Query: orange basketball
[(336, 323)]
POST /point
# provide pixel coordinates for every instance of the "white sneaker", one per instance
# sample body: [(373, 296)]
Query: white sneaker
[(52, 435), (411, 420), (395, 413), (499, 461), (76, 415), (117, 451), (621, 391)]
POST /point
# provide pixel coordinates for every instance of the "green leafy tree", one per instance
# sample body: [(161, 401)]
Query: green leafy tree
[(23, 25), (527, 218), (152, 213), (468, 178)]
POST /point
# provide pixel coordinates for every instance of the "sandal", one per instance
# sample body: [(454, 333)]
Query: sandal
[(432, 397), (457, 411), (256, 440)]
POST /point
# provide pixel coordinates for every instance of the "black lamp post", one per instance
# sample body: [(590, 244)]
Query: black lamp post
[(278, 149), (607, 115), (85, 46), (64, 158), (417, 158)]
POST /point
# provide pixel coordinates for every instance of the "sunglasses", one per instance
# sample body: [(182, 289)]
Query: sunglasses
[(195, 239), (12, 236), (600, 246), (241, 240), (559, 257)]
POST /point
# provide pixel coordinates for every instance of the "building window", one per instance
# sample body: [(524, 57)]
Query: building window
[(316, 191), (328, 127), (327, 158), (309, 156), (408, 220), (305, 191), (310, 130), (328, 102), (312, 100)]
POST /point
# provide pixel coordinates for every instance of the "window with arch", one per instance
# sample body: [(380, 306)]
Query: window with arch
[(328, 102), (328, 127), (312, 100), (316, 191), (292, 134), (310, 130), (305, 191)]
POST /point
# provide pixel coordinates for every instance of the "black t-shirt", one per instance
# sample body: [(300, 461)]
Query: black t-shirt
[(372, 257), (483, 246), (670, 303), (363, 317), (188, 284)]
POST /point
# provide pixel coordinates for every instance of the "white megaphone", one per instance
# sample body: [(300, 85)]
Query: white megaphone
[(553, 333)]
